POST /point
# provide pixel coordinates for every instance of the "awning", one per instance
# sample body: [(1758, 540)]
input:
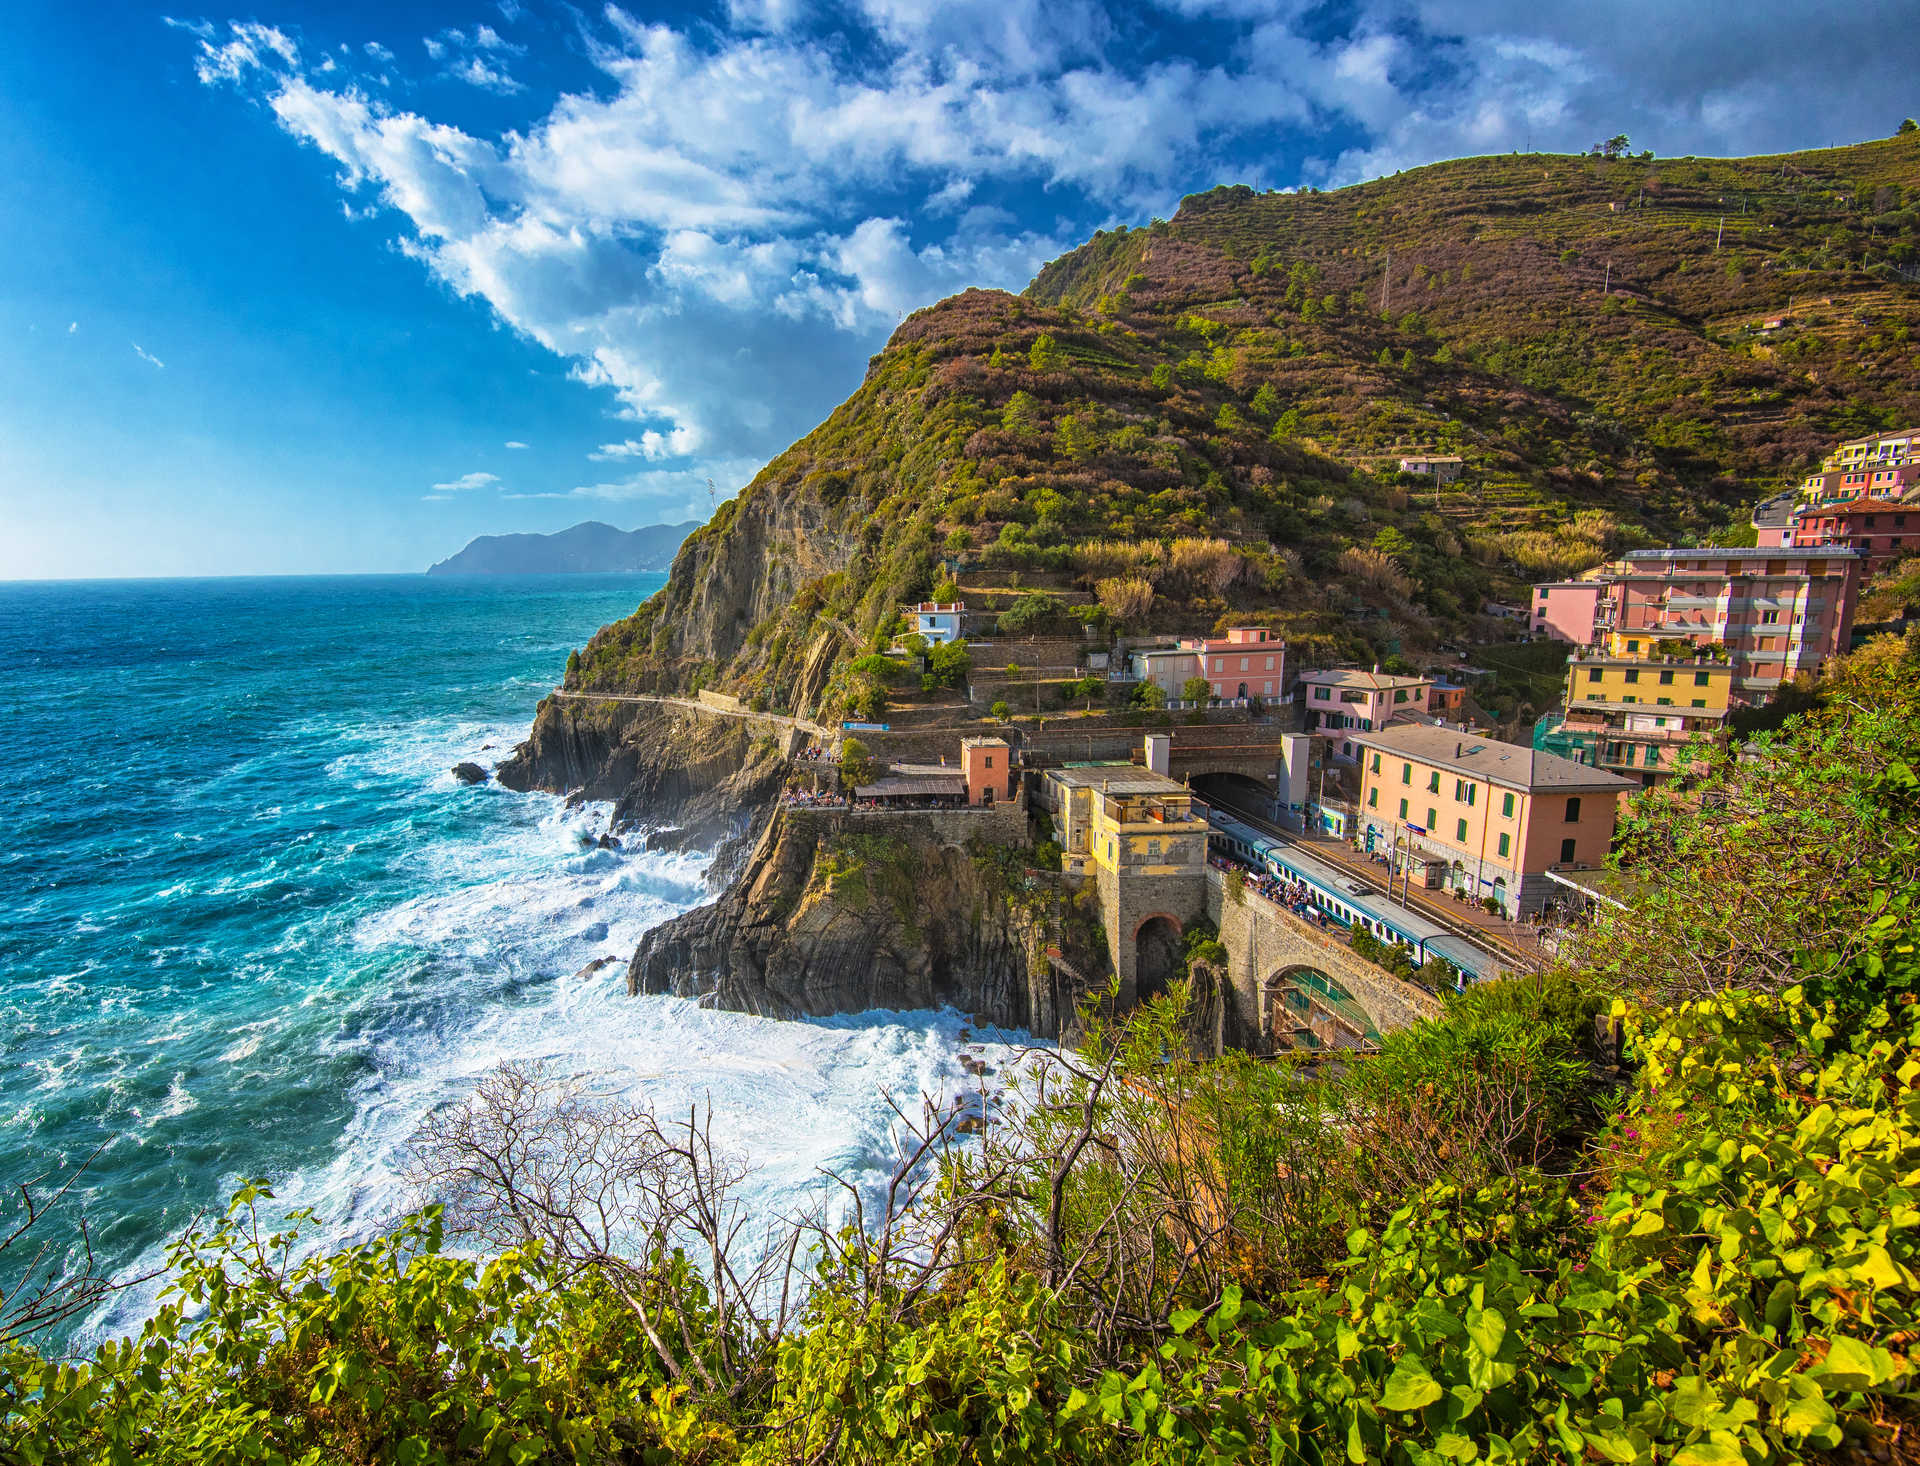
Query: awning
[(915, 786)]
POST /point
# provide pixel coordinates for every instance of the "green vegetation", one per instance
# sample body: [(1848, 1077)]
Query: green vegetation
[(1475, 1245), (1589, 334)]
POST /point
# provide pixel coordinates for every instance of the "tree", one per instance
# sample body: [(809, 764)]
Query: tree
[(1046, 355), (1000, 710), (1126, 598), (950, 662), (1196, 689), (947, 591), (1909, 126), (1266, 401), (857, 766), (1088, 687), (1148, 695), (573, 666), (1615, 146)]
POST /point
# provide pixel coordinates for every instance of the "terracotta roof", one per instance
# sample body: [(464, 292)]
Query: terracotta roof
[(1510, 764)]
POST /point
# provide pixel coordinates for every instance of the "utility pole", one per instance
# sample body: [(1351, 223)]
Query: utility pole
[(1607, 289), (1718, 232)]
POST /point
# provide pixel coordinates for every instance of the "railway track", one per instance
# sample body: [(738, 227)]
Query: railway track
[(1490, 942)]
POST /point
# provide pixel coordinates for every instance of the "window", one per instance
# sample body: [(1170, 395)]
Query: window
[(1666, 679), (1460, 831), (1664, 702), (1593, 674), (1633, 648), (1403, 809), (1629, 698), (1699, 679), (1632, 675), (1433, 818), (1376, 763), (1506, 810), (1406, 773), (1573, 811), (1699, 702), (1400, 694), (989, 760), (1506, 844), (1566, 852), (1433, 782), (1373, 799), (1323, 694)]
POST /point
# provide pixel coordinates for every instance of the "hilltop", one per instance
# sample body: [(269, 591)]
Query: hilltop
[(1622, 352), (591, 547)]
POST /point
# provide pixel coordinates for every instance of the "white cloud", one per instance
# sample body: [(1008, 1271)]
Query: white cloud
[(728, 222), (467, 481), (72, 326), (377, 51), (515, 443), (141, 352)]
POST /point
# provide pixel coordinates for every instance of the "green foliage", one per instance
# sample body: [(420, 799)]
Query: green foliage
[(1196, 689), (857, 765), (950, 662), (1046, 355)]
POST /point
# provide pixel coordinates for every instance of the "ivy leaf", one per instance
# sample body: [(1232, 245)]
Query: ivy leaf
[(1184, 1319), (1410, 1386), (1852, 1365)]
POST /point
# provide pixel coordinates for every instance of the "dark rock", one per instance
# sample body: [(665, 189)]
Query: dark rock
[(470, 773), (595, 933), (594, 966), (784, 941), (609, 841)]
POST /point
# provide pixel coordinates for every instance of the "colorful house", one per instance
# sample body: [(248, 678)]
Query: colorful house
[(937, 622), (1248, 662), (1168, 668), (1567, 610), (1635, 714), (1492, 818), (988, 766), (1343, 700), (1880, 531)]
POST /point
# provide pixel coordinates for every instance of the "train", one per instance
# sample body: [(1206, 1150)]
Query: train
[(1344, 900)]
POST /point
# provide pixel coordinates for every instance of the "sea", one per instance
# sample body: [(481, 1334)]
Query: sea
[(252, 927)]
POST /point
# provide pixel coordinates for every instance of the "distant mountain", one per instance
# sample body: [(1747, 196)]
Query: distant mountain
[(590, 548)]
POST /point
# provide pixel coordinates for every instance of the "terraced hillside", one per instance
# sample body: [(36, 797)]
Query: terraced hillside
[(1203, 418)]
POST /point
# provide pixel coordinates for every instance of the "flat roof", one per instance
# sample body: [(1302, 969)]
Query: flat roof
[(1510, 764), (1659, 710), (1116, 779), (1745, 552), (901, 786)]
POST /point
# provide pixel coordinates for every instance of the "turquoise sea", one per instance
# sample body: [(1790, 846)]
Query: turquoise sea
[(251, 926)]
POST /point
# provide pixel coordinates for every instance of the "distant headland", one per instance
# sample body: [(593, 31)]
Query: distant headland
[(590, 548)]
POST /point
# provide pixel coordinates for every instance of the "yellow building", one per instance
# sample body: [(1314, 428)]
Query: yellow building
[(1480, 816), (1137, 834), (1626, 677)]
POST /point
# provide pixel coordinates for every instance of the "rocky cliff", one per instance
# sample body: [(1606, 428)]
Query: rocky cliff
[(690, 780), (824, 919)]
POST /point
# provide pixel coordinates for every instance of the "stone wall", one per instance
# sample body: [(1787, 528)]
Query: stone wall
[(1263, 940), (1127, 903), (1003, 824)]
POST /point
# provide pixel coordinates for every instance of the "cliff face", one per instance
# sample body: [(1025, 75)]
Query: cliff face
[(691, 781), (823, 920)]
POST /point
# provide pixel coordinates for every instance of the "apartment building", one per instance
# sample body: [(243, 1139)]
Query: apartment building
[(1249, 661), (1880, 531), (1635, 714), (1567, 610), (1777, 612), (1485, 818), (1343, 700), (937, 622)]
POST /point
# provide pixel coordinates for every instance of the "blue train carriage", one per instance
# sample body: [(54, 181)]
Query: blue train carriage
[(1328, 892)]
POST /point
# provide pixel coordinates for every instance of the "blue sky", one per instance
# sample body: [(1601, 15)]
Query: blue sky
[(330, 287)]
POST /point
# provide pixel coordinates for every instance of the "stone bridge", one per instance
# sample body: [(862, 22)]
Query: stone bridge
[(1290, 979)]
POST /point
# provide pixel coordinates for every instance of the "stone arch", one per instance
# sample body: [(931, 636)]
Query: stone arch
[(1157, 953), (1303, 1006)]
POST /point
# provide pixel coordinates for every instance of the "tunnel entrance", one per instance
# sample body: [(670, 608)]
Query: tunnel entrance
[(1157, 956)]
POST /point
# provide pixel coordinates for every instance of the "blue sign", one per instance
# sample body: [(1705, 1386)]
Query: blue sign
[(866, 727)]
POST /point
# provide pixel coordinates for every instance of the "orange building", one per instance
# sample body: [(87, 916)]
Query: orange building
[(988, 766), (1485, 818)]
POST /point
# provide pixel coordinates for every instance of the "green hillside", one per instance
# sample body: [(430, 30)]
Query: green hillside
[(1591, 336)]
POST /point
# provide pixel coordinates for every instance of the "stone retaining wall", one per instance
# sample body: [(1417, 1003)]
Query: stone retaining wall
[(1003, 824)]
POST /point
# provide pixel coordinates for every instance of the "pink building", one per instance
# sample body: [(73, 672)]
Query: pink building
[(1250, 661), (1344, 700), (1880, 530), (1568, 610), (1778, 612)]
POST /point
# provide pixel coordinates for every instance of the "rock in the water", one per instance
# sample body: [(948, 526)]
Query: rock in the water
[(609, 841), (595, 933), (470, 773), (594, 966)]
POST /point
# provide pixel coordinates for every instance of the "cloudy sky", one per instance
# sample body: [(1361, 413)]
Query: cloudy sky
[(328, 287)]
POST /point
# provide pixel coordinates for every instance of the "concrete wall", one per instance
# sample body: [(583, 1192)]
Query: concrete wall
[(724, 702), (1263, 941)]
